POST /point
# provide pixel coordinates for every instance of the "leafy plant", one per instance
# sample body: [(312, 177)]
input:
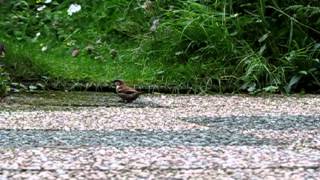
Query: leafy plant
[(235, 45), (4, 83)]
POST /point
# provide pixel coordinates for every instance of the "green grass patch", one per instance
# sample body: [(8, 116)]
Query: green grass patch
[(30, 63), (222, 46)]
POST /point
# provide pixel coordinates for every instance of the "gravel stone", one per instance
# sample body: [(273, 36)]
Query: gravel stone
[(93, 136)]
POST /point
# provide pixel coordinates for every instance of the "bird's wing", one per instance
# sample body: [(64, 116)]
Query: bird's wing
[(127, 90)]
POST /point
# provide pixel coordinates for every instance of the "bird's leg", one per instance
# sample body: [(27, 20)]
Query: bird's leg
[(121, 101)]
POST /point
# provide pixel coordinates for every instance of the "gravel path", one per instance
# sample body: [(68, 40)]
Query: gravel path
[(93, 136)]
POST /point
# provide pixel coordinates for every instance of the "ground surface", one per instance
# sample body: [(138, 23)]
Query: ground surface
[(93, 136)]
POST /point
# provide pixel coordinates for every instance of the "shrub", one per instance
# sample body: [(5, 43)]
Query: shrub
[(4, 83), (235, 45)]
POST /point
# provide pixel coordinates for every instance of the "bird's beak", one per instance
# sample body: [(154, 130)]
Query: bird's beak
[(3, 54)]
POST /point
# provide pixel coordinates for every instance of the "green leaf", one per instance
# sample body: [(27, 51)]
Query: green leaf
[(252, 87), (303, 72), (294, 80), (271, 89), (264, 37), (31, 87), (262, 49)]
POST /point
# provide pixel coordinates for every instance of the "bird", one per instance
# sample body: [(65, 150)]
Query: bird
[(2, 50), (126, 93)]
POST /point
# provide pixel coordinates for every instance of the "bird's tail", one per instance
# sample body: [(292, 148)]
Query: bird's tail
[(141, 92)]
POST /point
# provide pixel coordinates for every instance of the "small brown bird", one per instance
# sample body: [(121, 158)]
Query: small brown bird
[(2, 50), (126, 93)]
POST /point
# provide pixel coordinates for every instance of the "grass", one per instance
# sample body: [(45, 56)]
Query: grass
[(31, 63), (236, 45)]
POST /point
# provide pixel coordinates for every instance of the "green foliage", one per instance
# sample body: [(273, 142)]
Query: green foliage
[(4, 83), (235, 45)]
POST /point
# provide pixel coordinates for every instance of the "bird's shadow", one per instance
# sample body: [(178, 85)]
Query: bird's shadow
[(139, 104), (60, 101)]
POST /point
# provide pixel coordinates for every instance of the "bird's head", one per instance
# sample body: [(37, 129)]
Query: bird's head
[(118, 82)]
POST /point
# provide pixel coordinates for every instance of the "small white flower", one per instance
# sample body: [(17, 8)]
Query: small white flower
[(38, 34), (155, 25), (44, 48), (48, 1), (73, 8), (41, 8), (147, 5)]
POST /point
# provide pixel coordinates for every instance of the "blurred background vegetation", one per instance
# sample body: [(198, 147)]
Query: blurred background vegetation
[(202, 45)]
